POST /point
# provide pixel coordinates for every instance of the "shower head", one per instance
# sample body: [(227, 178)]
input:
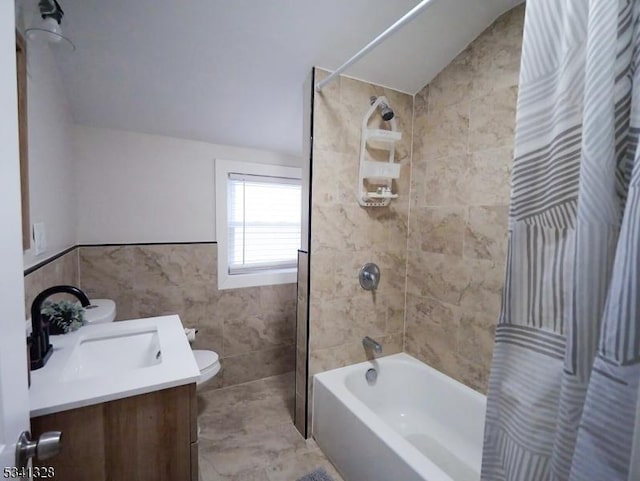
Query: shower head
[(385, 111)]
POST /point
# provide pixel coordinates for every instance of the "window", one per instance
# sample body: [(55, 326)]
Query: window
[(258, 210)]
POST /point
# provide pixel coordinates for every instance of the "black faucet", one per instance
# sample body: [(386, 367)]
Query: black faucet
[(41, 350)]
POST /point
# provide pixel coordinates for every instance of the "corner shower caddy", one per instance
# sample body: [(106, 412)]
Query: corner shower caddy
[(375, 178)]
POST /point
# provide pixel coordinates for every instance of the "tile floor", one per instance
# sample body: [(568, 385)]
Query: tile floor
[(247, 434)]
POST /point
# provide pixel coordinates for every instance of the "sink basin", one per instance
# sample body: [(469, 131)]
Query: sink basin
[(105, 362), (113, 353)]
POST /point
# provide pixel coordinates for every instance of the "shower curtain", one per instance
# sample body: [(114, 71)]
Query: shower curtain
[(563, 388)]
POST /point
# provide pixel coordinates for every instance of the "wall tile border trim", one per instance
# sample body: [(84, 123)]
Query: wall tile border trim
[(45, 262), (49, 260)]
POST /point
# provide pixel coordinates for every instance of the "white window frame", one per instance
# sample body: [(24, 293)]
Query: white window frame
[(267, 276)]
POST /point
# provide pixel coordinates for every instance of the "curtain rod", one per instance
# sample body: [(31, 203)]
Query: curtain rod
[(410, 15)]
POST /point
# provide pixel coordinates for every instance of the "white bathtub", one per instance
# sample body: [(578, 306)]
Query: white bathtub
[(414, 423)]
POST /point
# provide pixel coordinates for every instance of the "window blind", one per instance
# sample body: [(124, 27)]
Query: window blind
[(263, 222)]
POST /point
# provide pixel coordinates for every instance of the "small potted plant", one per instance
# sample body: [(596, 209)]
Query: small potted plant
[(63, 316)]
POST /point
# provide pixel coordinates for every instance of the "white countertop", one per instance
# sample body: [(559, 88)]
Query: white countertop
[(51, 393)]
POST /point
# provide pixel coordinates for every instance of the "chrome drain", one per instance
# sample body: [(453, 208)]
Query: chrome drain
[(372, 376)]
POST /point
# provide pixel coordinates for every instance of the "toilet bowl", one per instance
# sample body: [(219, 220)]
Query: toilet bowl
[(100, 311), (209, 365)]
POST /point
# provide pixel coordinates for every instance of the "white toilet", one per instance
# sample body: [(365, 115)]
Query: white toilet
[(100, 311), (104, 310), (209, 365)]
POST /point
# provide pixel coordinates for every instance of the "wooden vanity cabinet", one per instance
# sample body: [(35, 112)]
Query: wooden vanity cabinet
[(150, 437)]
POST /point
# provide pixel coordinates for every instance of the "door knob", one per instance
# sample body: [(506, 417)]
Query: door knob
[(47, 446)]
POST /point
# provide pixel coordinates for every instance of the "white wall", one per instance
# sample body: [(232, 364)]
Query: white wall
[(52, 185), (134, 187)]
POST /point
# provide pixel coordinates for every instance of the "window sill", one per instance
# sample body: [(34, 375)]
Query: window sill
[(265, 278)]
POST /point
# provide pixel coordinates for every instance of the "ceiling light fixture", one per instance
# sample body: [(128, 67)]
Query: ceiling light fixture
[(48, 28)]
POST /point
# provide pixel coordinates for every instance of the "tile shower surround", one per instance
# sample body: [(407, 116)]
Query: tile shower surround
[(462, 154), (345, 236), (252, 329), (444, 238)]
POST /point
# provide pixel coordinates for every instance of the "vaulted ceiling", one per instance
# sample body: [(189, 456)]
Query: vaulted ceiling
[(232, 71)]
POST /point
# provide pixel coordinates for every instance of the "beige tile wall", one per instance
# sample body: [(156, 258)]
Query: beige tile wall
[(301, 342), (62, 271), (252, 329), (344, 236), (463, 141)]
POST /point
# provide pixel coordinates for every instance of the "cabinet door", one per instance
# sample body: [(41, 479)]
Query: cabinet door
[(142, 438)]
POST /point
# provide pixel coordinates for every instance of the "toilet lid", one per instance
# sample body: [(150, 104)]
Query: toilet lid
[(99, 311), (205, 359)]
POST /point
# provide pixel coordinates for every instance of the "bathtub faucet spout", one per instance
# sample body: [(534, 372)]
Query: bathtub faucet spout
[(368, 342)]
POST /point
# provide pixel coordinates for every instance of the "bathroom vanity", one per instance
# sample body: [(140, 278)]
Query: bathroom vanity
[(124, 396), (147, 437)]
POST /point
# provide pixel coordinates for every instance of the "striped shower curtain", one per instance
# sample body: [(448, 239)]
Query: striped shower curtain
[(563, 388)]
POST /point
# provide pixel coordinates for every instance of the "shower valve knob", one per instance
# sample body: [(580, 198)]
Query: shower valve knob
[(369, 276)]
